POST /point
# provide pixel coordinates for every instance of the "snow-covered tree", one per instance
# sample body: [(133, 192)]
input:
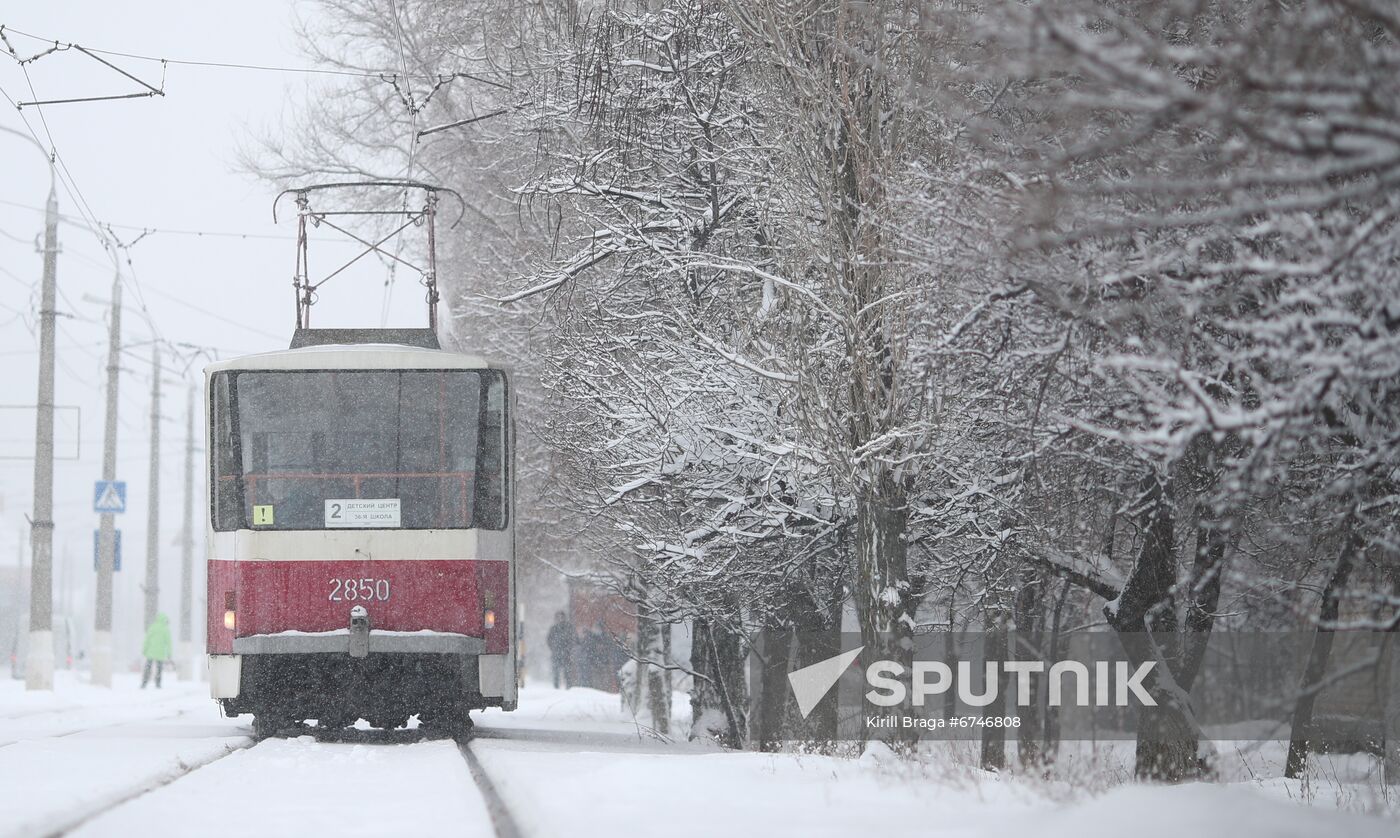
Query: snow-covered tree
[(973, 315)]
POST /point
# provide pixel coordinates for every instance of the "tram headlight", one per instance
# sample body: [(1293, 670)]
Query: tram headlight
[(489, 619), (230, 620)]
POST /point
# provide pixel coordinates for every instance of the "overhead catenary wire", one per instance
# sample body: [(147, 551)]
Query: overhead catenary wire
[(17, 311), (149, 89), (413, 102), (268, 68), (90, 217), (64, 176), (178, 300), (75, 360), (12, 275), (216, 315), (163, 231), (69, 180), (12, 237), (183, 352), (88, 220), (130, 279)]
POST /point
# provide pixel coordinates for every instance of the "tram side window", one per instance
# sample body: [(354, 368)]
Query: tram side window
[(226, 493), (492, 462)]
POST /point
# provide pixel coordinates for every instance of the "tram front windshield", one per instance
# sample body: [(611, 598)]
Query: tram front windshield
[(377, 449)]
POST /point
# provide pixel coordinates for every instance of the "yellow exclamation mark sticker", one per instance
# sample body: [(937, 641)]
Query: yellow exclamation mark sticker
[(262, 516)]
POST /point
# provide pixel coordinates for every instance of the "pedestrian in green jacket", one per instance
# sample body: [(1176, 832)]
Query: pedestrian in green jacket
[(156, 649)]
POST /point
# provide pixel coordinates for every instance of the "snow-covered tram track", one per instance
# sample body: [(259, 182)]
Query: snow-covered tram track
[(39, 711), (501, 818), (75, 820), (350, 782), (74, 729)]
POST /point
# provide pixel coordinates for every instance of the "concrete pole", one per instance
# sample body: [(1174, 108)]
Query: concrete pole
[(187, 550), (107, 534), (153, 508), (38, 670)]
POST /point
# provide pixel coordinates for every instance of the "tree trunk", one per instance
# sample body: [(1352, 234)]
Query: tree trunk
[(884, 606), (653, 673), (995, 649), (856, 155), (1026, 645), (1144, 618), (775, 652), (1320, 653), (719, 699), (1390, 704), (950, 657), (1052, 714), (819, 638)]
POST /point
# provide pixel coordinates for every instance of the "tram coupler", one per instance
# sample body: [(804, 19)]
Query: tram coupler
[(359, 632)]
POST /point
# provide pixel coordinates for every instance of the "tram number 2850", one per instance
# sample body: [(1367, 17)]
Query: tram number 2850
[(367, 589)]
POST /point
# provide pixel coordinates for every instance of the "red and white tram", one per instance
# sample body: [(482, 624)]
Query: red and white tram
[(361, 543)]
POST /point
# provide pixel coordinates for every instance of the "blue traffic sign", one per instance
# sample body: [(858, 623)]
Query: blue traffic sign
[(97, 549), (109, 496)]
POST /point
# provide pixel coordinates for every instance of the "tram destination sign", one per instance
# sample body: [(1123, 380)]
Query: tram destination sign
[(380, 513)]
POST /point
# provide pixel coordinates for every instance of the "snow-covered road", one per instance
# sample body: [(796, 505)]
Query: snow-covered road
[(123, 762)]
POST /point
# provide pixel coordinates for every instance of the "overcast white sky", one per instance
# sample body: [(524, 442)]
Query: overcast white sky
[(167, 163)]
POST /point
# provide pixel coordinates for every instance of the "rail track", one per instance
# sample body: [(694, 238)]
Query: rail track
[(502, 822), (139, 718), (501, 818), (78, 819)]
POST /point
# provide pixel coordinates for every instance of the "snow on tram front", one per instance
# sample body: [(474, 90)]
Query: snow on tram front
[(361, 550)]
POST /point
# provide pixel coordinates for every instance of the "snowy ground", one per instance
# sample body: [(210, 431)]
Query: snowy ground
[(99, 763)]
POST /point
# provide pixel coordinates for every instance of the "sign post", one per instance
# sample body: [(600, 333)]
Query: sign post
[(108, 500), (97, 550)]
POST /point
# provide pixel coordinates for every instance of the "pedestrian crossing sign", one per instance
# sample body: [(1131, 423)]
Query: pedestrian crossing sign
[(109, 496)]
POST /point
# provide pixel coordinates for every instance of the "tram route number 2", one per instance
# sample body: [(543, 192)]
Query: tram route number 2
[(365, 589)]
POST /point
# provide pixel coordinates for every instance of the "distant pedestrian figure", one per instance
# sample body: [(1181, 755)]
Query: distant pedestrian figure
[(597, 654), (562, 640), (156, 649)]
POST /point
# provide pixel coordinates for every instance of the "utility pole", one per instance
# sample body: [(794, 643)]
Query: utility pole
[(153, 510), (107, 534), (183, 665), (38, 669)]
